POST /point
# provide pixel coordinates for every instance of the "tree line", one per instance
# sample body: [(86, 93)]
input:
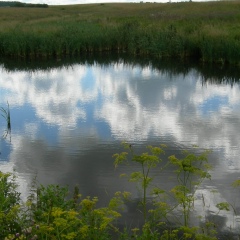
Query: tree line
[(20, 4)]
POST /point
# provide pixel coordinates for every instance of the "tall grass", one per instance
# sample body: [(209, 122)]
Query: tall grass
[(207, 31)]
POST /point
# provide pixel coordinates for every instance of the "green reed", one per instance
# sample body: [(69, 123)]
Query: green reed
[(206, 31), (5, 112)]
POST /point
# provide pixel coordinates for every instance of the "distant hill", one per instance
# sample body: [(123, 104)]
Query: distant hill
[(20, 4)]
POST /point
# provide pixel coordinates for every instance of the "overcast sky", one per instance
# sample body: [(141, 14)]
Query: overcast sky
[(66, 2)]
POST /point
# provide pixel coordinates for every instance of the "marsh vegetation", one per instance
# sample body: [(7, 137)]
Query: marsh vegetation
[(207, 31)]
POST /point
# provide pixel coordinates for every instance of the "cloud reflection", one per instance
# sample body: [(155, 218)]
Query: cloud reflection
[(135, 103), (83, 106)]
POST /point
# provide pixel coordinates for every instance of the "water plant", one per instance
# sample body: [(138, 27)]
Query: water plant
[(6, 115), (51, 212), (147, 162), (190, 171)]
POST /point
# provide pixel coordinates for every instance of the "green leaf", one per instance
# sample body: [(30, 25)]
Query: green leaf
[(236, 183), (223, 206)]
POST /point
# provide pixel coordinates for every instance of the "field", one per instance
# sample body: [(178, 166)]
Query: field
[(208, 31)]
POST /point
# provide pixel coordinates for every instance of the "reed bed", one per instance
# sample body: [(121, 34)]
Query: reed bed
[(208, 31)]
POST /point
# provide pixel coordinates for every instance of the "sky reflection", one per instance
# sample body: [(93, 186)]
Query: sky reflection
[(133, 103), (67, 123)]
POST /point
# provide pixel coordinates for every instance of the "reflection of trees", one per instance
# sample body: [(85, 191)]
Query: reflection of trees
[(219, 75), (211, 73)]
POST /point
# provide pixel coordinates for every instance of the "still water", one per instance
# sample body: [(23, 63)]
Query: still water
[(69, 119)]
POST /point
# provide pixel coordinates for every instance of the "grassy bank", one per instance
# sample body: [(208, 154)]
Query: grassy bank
[(207, 31)]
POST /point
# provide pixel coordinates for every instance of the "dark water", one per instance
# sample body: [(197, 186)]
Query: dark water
[(69, 118)]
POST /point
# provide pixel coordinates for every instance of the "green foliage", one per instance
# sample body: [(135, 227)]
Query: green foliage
[(147, 161), (223, 206), (52, 213), (9, 205), (200, 30), (56, 216), (184, 233), (228, 206), (236, 183), (190, 171)]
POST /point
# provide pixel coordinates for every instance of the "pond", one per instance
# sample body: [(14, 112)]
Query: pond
[(69, 118)]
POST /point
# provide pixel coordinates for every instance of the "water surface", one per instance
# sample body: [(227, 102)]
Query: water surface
[(68, 120)]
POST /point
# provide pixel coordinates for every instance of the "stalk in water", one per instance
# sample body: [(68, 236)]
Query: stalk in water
[(6, 115)]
